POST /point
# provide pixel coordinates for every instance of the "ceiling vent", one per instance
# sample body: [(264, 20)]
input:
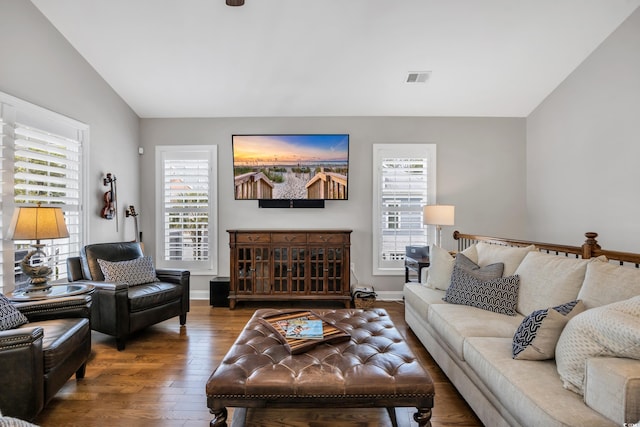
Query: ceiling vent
[(418, 76)]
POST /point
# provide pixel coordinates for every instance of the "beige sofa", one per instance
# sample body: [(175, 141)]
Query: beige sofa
[(589, 372)]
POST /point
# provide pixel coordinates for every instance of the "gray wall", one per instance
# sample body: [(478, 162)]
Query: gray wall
[(39, 66), (480, 169), (481, 161), (583, 147)]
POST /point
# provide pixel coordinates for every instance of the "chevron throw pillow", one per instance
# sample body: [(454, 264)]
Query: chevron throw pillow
[(498, 295), (538, 334), (134, 272), (10, 317)]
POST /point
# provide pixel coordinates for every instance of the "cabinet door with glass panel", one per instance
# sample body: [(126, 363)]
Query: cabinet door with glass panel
[(328, 264), (252, 274)]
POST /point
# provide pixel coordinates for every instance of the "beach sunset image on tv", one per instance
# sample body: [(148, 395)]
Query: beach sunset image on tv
[(289, 167)]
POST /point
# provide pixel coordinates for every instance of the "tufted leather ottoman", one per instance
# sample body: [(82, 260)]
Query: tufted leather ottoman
[(375, 368)]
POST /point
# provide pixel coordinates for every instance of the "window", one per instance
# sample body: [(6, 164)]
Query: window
[(187, 231), (404, 181), (41, 163)]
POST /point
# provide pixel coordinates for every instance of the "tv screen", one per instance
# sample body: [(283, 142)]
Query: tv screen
[(290, 167)]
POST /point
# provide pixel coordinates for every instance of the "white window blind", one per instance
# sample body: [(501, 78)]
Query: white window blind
[(41, 163), (188, 236), (404, 182)]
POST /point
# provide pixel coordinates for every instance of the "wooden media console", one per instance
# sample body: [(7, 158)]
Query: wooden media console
[(289, 265)]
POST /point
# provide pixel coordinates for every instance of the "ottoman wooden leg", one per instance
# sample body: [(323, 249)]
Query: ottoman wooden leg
[(220, 417), (423, 417), (392, 416)]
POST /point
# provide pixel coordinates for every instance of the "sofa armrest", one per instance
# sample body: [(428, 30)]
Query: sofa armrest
[(22, 372), (173, 275), (179, 277), (612, 387), (58, 308)]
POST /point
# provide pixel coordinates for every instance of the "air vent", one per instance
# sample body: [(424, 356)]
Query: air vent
[(418, 76)]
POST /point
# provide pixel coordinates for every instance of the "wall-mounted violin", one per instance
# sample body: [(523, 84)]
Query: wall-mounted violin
[(110, 209)]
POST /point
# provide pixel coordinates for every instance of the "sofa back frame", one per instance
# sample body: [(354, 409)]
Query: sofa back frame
[(589, 249)]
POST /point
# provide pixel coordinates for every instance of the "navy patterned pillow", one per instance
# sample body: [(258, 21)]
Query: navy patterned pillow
[(10, 316), (499, 295), (539, 332), (134, 272)]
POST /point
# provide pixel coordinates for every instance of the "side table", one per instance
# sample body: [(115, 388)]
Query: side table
[(55, 291), (414, 265), (219, 292)]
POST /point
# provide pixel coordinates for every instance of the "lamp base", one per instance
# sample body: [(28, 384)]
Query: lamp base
[(35, 267)]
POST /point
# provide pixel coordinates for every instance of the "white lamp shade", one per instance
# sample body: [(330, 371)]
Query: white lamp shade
[(439, 215), (37, 223)]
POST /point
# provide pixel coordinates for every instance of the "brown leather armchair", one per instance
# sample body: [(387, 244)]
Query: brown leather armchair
[(37, 358), (119, 309)]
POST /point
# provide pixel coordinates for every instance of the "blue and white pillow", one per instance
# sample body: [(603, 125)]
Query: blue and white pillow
[(134, 272), (538, 334), (10, 316), (499, 295)]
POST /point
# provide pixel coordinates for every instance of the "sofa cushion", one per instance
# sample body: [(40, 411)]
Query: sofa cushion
[(531, 391), (605, 283), (455, 323), (488, 272), (548, 280), (612, 387), (441, 266), (538, 334), (10, 316), (420, 297), (610, 330), (498, 295), (147, 295), (510, 256), (133, 272)]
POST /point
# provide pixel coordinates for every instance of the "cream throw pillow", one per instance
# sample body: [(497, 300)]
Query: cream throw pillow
[(510, 256), (548, 280), (608, 331), (606, 283), (441, 266)]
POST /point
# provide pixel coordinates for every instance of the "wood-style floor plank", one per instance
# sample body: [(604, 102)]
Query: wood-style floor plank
[(159, 379)]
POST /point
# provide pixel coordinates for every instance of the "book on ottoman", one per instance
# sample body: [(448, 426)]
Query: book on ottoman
[(285, 325)]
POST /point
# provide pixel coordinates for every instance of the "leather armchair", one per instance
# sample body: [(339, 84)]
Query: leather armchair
[(37, 358), (119, 309)]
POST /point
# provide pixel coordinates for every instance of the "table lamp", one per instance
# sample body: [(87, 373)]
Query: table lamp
[(37, 223), (438, 215)]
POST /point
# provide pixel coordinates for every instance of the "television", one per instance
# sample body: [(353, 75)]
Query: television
[(291, 169)]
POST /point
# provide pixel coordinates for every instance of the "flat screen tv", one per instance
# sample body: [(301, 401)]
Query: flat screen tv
[(291, 167)]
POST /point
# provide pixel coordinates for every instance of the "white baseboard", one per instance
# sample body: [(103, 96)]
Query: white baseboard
[(389, 295), (199, 295)]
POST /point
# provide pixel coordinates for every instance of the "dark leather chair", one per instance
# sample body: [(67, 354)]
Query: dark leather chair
[(37, 358), (119, 309)]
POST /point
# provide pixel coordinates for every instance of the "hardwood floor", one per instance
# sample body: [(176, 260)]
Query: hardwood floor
[(159, 379)]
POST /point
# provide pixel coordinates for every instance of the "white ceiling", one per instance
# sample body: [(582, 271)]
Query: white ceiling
[(201, 58)]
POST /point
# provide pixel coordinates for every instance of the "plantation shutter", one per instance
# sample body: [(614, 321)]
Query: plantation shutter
[(3, 177), (186, 209), (47, 171), (403, 189), (41, 162)]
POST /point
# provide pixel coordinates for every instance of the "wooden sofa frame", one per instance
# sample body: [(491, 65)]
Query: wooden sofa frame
[(589, 249)]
